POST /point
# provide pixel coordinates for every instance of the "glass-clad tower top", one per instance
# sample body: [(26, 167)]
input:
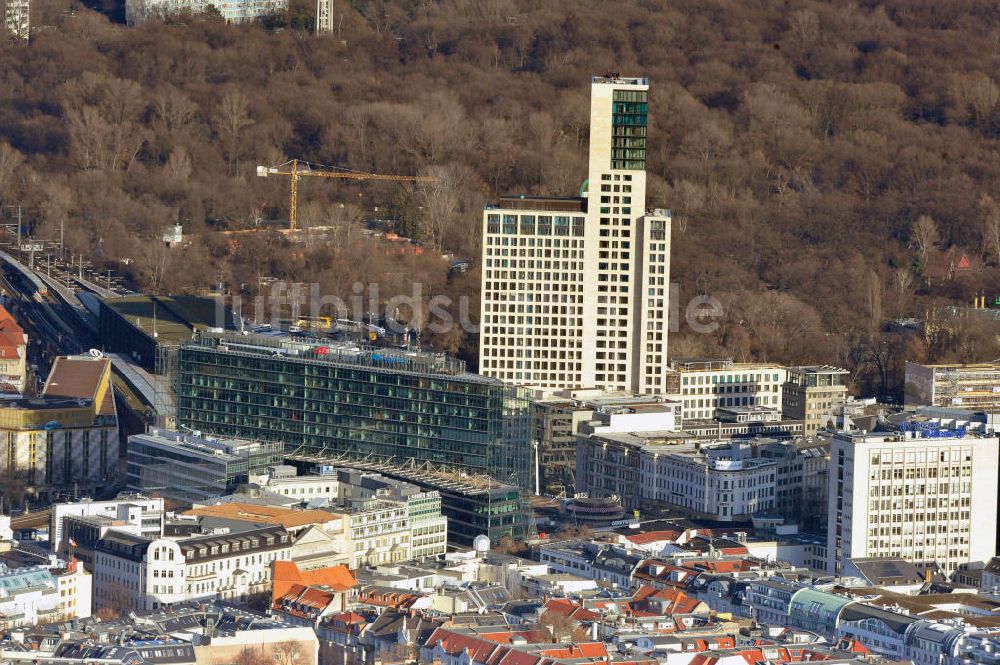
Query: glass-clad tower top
[(385, 405)]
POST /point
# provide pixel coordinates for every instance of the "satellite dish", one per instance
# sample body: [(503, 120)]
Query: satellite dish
[(96, 353), (481, 544)]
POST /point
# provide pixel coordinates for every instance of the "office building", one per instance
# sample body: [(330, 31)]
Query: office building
[(810, 393), (67, 438), (330, 400), (914, 495), (971, 386), (557, 418), (138, 12), (13, 354), (143, 515), (421, 517), (725, 482), (801, 480), (139, 573), (743, 422), (575, 291), (193, 468), (473, 504), (144, 328), (377, 506), (704, 385)]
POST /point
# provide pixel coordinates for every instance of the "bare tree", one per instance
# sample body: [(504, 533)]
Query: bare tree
[(104, 120), (250, 656), (174, 109), (991, 225), (10, 161), (231, 118), (804, 25), (903, 279), (287, 653), (924, 235), (873, 297)]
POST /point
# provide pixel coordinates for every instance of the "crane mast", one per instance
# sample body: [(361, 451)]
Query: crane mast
[(294, 172)]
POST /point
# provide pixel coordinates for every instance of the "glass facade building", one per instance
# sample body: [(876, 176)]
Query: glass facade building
[(628, 129), (386, 405), (190, 468)]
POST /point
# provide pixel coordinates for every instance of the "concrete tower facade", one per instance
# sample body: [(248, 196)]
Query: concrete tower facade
[(575, 291)]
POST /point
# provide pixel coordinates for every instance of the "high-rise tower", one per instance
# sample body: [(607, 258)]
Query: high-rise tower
[(575, 291)]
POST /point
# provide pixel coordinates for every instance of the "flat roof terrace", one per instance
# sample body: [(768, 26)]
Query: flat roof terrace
[(548, 203)]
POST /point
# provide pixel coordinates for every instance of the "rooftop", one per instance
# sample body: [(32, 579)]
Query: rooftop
[(423, 475), (12, 338), (259, 514), (227, 449), (618, 79), (171, 319), (338, 353), (542, 203), (717, 364), (82, 377)]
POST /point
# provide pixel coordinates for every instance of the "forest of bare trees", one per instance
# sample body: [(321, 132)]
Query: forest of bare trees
[(819, 156)]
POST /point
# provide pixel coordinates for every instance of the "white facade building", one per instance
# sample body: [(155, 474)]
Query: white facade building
[(912, 496), (143, 513), (138, 12), (707, 385), (725, 482), (576, 290), (145, 574), (386, 520), (39, 594)]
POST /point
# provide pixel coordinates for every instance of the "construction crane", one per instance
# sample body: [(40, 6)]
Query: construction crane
[(296, 169)]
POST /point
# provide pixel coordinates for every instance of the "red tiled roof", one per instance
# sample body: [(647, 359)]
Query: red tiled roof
[(653, 536), (395, 599), (567, 608), (348, 618), (12, 340), (286, 575), (583, 650), (454, 643), (506, 636)]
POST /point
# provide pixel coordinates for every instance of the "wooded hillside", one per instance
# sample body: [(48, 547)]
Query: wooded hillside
[(819, 156)]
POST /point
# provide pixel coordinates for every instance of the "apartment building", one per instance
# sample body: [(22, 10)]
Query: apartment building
[(706, 385), (575, 291), (912, 494), (810, 393), (138, 12)]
